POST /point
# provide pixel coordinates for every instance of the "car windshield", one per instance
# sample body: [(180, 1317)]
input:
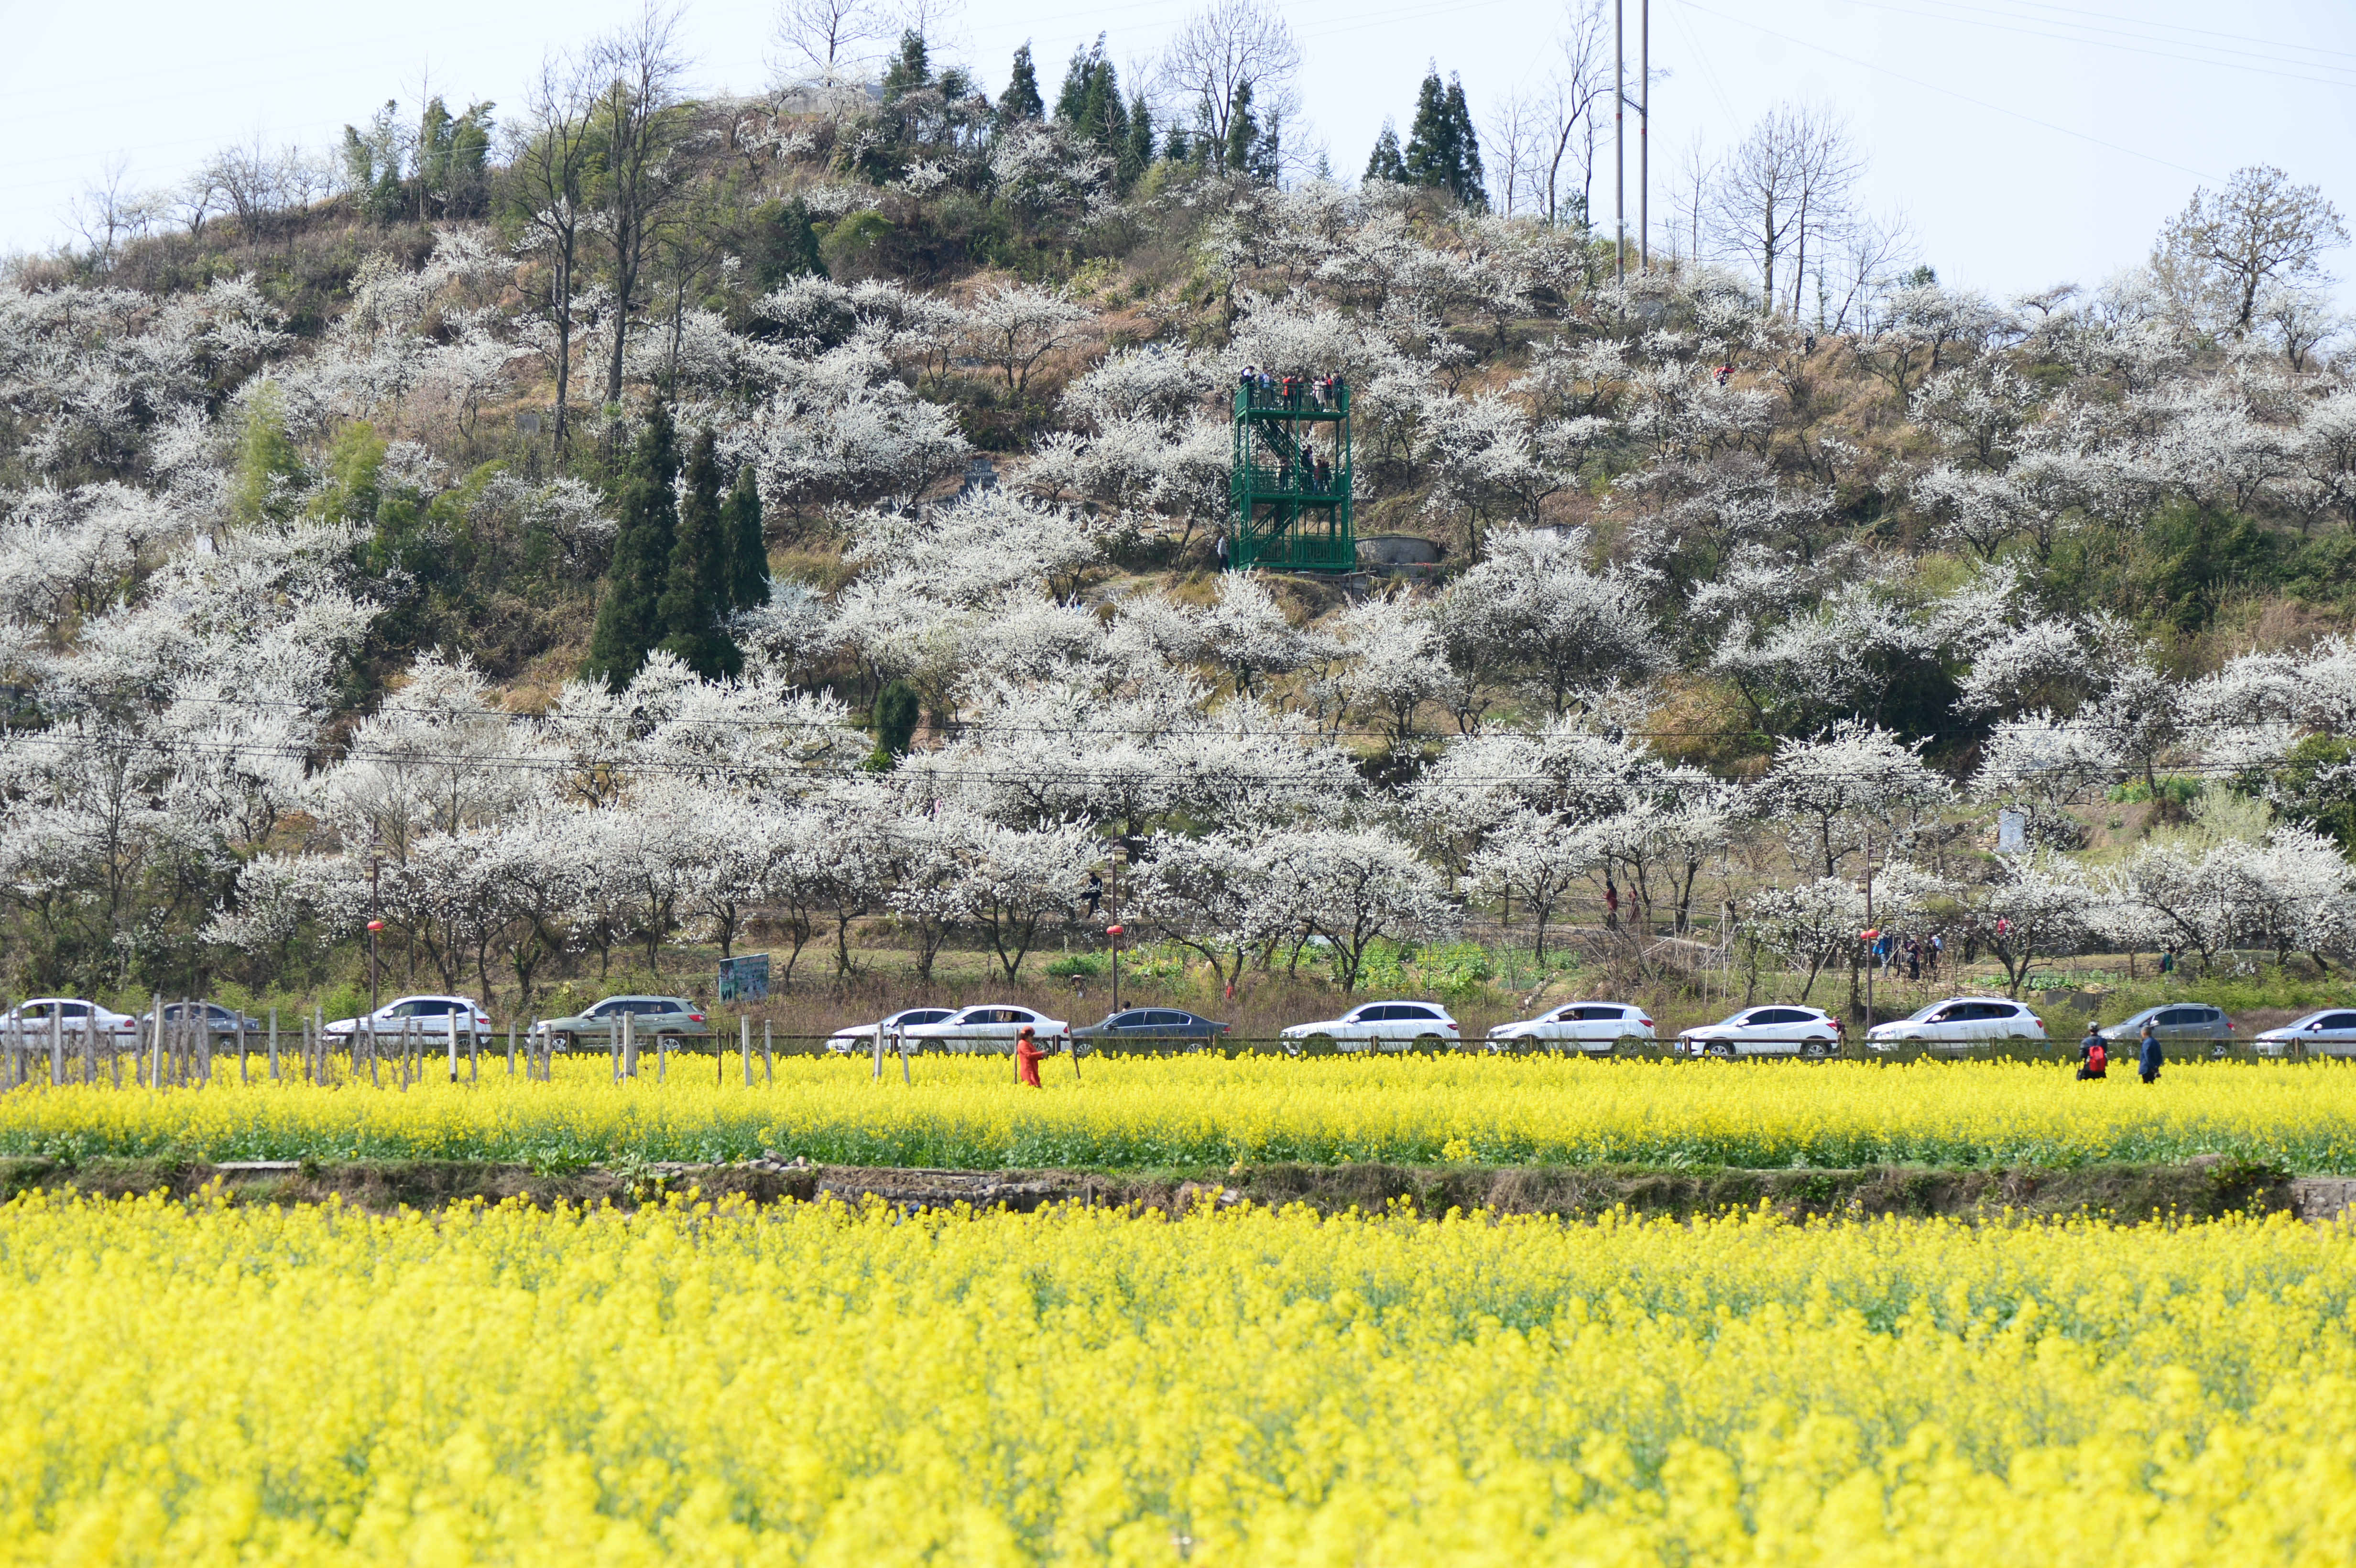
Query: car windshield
[(1923, 1015)]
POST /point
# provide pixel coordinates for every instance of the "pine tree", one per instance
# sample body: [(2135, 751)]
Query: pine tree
[(1470, 184), (695, 604), (1178, 149), (1137, 156), (1243, 130), (1090, 100), (1385, 164), (910, 68), (787, 243), (1443, 149), (748, 546), (1021, 100), (628, 612)]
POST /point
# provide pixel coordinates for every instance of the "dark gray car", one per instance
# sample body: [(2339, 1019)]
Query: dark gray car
[(1148, 1028), (221, 1023)]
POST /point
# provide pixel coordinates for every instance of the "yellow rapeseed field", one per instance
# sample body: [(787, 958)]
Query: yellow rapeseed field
[(1205, 1112), (202, 1383)]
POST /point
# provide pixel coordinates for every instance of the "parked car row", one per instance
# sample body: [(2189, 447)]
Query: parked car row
[(1775, 1029)]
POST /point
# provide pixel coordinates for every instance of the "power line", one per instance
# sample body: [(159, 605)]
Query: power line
[(1936, 87)]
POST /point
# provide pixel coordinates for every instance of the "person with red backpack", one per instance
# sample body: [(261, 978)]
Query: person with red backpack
[(2093, 1055)]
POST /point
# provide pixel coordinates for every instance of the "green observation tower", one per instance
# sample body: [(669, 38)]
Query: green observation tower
[(1291, 481)]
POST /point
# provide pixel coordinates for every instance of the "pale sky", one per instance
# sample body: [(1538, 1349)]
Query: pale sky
[(2028, 144)]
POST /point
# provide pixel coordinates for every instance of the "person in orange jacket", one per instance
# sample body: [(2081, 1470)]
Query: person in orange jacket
[(1027, 1056)]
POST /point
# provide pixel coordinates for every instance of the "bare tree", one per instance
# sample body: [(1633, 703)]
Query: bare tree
[(107, 215), (638, 123), (1564, 140), (1865, 254), (1690, 184), (550, 168), (1786, 184), (827, 39), (1234, 43), (1514, 131), (2259, 229)]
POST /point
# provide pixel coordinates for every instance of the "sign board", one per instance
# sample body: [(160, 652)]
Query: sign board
[(745, 978), (2011, 832)]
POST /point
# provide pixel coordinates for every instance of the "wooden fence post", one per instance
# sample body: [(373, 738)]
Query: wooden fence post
[(511, 1029), (274, 1045), (744, 1039), (768, 1055)]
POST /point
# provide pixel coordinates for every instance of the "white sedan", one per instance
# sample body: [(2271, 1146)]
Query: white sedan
[(852, 1041), (989, 1029), (1590, 1026), (1959, 1021), (429, 1016), (1377, 1026), (1776, 1029), (70, 1016), (2329, 1033)]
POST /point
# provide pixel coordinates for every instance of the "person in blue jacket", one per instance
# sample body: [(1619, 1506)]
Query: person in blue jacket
[(2147, 1056)]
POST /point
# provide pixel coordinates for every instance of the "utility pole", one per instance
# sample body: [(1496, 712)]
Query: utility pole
[(1619, 141), (1644, 135), (376, 922)]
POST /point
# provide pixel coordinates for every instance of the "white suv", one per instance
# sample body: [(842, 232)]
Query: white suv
[(1588, 1026), (989, 1031), (1775, 1029), (1959, 1021), (1377, 1026), (428, 1015)]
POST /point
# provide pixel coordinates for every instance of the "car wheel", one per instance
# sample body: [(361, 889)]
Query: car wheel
[(559, 1043), (1815, 1049), (1722, 1049), (1430, 1042), (1319, 1045)]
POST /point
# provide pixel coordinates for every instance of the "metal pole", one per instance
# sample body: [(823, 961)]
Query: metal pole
[(244, 1075), (1619, 141), (629, 1045), (57, 1045), (274, 1045), (1644, 135), (155, 1044), (454, 1042), (1871, 952)]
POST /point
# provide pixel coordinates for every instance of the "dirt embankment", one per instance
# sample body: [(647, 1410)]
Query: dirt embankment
[(2204, 1188)]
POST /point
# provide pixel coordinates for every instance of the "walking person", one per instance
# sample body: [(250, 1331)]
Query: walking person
[(1938, 946), (1027, 1056), (2094, 1056), (1219, 549), (1913, 957), (2147, 1056)]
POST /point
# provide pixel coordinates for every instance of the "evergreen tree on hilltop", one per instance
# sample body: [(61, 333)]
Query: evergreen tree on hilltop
[(695, 604), (1385, 164), (748, 546), (910, 68), (629, 610), (1090, 101), (1021, 100), (1443, 149)]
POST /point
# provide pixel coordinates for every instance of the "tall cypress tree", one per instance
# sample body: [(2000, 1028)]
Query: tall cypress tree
[(1090, 101), (1021, 100), (1137, 156), (1385, 164), (628, 612), (748, 546), (694, 603), (1443, 148)]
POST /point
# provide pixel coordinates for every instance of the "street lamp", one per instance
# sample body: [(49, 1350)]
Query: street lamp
[(1114, 931)]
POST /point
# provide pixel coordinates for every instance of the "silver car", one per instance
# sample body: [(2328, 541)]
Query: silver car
[(2176, 1023), (2331, 1032), (1594, 1026)]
